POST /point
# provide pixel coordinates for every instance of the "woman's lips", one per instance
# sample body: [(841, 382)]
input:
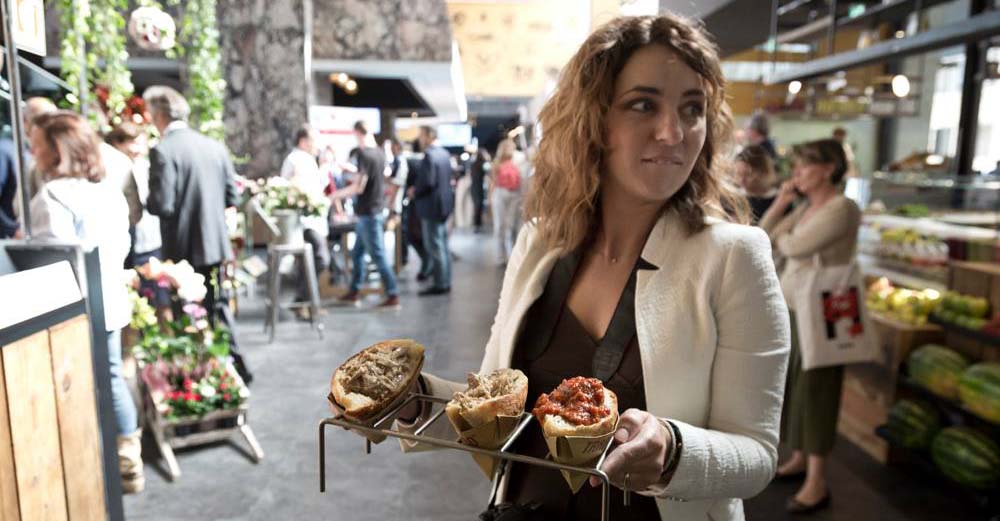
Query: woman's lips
[(663, 161)]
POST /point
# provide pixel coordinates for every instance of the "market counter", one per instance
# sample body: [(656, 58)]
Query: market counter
[(57, 441)]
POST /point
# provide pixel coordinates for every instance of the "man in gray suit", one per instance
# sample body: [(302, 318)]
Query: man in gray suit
[(191, 183)]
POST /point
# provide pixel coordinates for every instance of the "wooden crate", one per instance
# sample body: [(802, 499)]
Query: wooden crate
[(50, 444), (192, 431), (869, 390)]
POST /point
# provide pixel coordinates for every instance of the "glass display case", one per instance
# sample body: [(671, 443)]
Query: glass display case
[(915, 223)]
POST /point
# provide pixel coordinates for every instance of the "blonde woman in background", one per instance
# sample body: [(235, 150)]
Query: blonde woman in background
[(823, 224), (506, 195)]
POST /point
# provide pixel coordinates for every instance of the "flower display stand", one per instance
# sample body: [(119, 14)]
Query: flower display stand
[(192, 431)]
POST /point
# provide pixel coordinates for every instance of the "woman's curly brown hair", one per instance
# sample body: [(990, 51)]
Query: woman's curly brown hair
[(564, 198)]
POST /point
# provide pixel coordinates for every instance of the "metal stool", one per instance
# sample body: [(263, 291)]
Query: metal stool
[(276, 252)]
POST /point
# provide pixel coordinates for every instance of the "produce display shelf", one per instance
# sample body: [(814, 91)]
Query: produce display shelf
[(383, 427), (898, 324), (979, 336), (988, 500), (955, 408), (870, 266), (933, 227)]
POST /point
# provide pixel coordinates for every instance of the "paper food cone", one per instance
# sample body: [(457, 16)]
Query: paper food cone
[(490, 435), (581, 451)]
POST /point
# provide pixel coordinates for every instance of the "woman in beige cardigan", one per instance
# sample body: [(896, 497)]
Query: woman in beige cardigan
[(827, 226), (623, 273)]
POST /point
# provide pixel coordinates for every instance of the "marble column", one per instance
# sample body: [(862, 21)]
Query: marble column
[(264, 47), (411, 30)]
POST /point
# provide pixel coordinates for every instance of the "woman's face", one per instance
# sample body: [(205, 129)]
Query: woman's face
[(656, 125), (133, 148), (744, 176), (810, 177), (45, 157)]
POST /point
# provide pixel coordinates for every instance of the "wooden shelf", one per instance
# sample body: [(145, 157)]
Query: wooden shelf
[(978, 336), (953, 407), (900, 325), (985, 499), (869, 266)]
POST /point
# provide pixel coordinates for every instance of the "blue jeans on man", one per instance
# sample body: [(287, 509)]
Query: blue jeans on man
[(439, 259), (370, 233)]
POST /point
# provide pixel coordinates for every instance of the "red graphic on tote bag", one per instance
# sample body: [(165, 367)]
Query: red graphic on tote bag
[(837, 307)]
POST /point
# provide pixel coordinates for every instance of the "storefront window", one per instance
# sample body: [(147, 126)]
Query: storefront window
[(987, 155)]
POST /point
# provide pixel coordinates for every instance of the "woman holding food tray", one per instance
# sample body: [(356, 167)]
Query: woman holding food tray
[(630, 271)]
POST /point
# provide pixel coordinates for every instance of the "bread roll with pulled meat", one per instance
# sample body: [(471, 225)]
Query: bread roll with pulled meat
[(373, 379), (500, 393)]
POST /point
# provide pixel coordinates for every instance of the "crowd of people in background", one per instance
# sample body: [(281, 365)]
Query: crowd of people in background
[(170, 202)]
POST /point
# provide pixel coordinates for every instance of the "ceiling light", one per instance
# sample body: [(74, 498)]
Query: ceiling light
[(414, 114), (900, 86), (351, 87), (900, 34), (342, 78), (794, 87)]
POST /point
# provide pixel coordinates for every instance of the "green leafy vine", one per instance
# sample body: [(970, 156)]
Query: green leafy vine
[(198, 45), (100, 26), (97, 25)]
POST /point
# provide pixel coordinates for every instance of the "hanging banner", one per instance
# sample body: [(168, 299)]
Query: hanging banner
[(29, 25)]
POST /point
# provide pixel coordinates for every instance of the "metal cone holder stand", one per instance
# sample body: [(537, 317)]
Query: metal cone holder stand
[(383, 427)]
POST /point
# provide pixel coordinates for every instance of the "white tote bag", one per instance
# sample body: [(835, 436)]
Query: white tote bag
[(833, 326)]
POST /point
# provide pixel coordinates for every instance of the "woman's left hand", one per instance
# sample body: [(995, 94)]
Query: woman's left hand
[(641, 449)]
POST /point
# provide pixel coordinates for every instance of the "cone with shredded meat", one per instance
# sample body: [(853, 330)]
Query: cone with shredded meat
[(374, 380), (578, 420), (488, 411)]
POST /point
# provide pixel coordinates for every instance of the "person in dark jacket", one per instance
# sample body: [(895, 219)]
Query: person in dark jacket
[(754, 172), (8, 190), (191, 184), (368, 189), (435, 200), (480, 171)]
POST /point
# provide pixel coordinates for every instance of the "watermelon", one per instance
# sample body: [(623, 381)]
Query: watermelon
[(967, 457), (979, 390), (938, 369), (913, 424)]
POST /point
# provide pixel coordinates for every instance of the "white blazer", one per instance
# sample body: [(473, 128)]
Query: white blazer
[(713, 334)]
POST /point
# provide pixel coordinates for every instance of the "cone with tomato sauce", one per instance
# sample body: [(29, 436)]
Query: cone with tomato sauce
[(578, 420)]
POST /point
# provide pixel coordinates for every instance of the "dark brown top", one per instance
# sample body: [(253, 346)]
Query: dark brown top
[(553, 346)]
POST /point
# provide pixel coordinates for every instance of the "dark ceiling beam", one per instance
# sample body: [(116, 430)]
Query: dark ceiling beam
[(975, 28), (739, 25)]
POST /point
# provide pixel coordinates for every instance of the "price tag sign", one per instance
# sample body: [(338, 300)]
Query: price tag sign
[(29, 25)]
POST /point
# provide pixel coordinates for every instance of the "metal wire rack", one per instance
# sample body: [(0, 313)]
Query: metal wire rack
[(384, 427)]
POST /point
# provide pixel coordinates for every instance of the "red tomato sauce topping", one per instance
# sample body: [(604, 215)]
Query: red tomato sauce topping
[(578, 400)]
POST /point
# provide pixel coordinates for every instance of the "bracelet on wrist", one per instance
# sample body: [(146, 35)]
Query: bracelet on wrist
[(676, 447)]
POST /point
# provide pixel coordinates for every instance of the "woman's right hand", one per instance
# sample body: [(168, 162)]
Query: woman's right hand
[(786, 194)]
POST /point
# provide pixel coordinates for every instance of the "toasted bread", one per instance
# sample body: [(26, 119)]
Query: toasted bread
[(500, 393), (554, 425), (364, 388)]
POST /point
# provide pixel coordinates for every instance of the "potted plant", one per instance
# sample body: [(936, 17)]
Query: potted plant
[(286, 203)]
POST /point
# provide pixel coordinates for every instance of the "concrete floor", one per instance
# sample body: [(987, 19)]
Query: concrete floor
[(219, 482)]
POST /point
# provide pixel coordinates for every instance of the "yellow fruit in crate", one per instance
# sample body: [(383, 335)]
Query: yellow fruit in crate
[(978, 307)]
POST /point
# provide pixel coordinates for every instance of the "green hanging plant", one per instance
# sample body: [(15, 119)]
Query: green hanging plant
[(198, 48), (73, 15), (97, 26)]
